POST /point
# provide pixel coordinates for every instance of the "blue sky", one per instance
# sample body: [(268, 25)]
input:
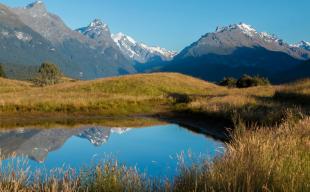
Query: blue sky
[(174, 24)]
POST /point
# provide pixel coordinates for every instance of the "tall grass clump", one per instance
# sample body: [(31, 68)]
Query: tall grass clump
[(268, 159), (262, 159), (105, 177)]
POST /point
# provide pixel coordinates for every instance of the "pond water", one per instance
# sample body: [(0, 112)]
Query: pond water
[(153, 150)]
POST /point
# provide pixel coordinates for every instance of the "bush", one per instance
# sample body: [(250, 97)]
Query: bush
[(48, 74), (248, 81), (228, 82), (2, 74)]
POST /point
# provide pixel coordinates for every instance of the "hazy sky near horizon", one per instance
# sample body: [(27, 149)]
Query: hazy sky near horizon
[(174, 24)]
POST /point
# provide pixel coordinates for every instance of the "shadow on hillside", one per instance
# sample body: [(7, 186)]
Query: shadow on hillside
[(220, 123), (301, 100)]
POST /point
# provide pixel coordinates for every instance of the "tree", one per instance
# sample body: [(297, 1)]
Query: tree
[(248, 81), (48, 74), (2, 74), (228, 82)]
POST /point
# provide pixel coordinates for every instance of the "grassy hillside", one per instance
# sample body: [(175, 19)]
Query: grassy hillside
[(13, 86), (134, 94), (268, 150), (170, 94)]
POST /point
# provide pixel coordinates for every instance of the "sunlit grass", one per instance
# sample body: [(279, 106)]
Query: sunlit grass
[(125, 95), (153, 94), (266, 159), (263, 159)]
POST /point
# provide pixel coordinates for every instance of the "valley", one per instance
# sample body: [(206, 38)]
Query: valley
[(85, 107), (169, 96)]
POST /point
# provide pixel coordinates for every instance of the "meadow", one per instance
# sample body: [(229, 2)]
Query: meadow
[(164, 95), (267, 149)]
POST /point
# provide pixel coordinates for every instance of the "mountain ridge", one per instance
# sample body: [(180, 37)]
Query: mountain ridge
[(75, 53), (235, 50), (141, 52), (93, 51)]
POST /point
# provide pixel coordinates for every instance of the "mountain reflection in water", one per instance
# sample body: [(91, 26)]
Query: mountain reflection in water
[(37, 143), (153, 149)]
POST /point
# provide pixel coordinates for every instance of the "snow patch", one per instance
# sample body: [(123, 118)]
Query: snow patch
[(140, 51), (5, 33), (302, 45), (23, 36), (120, 131), (245, 28)]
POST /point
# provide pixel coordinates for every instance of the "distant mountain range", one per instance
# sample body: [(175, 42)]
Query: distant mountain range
[(140, 52), (31, 35), (303, 45), (235, 50)]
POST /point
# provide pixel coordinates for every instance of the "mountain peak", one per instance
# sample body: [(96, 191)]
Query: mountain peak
[(97, 23), (37, 8), (97, 30), (245, 28), (36, 4), (139, 51), (303, 45), (118, 37)]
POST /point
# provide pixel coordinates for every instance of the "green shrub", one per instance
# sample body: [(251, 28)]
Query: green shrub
[(228, 82), (2, 74), (48, 74), (248, 81)]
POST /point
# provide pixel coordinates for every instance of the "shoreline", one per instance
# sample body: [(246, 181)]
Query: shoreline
[(209, 128)]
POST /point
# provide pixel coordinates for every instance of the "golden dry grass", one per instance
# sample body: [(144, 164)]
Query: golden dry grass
[(270, 154), (123, 95), (269, 159), (152, 94)]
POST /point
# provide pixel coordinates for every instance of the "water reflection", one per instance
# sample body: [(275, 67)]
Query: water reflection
[(37, 143), (152, 149)]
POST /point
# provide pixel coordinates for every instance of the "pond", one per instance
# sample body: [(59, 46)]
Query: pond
[(154, 150)]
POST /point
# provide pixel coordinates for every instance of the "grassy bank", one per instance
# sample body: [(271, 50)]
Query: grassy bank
[(267, 159), (268, 150), (264, 159), (165, 95), (114, 96)]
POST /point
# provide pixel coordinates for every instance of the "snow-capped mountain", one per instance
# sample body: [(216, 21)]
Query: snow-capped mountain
[(96, 135), (46, 37), (36, 144), (98, 31), (95, 29), (303, 45), (119, 130), (50, 26), (139, 51), (225, 40), (235, 50)]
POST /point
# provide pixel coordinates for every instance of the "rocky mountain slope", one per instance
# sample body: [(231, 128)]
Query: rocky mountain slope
[(141, 52), (235, 50), (43, 36), (303, 45), (31, 35)]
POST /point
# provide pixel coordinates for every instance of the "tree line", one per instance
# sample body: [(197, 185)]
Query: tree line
[(47, 74)]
